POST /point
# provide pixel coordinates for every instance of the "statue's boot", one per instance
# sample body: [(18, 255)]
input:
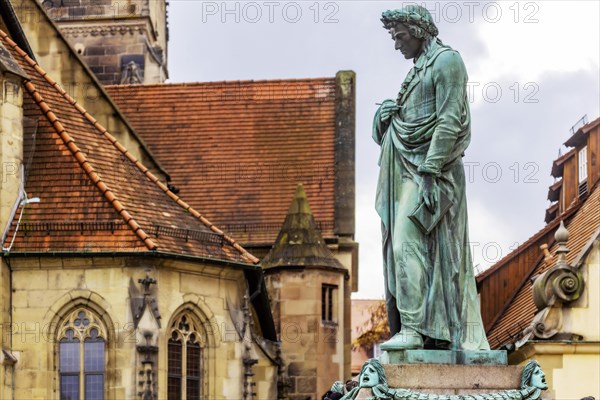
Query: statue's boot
[(406, 339)]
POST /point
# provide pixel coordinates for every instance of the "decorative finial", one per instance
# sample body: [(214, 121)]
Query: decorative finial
[(562, 236)]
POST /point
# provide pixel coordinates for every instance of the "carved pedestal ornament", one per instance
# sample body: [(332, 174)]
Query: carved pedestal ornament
[(561, 284), (372, 385), (243, 321), (146, 321), (250, 357)]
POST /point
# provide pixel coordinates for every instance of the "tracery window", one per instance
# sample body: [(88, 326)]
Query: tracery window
[(81, 354), (185, 356)]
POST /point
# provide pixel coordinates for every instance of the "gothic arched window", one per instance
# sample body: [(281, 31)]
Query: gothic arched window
[(82, 355), (185, 356)]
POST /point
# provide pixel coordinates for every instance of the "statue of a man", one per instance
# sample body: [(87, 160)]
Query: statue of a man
[(431, 295)]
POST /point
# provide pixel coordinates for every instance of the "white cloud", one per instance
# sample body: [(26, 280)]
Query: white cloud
[(369, 238), (532, 38)]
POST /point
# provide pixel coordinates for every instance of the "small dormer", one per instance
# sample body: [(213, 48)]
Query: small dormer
[(577, 171), (586, 143)]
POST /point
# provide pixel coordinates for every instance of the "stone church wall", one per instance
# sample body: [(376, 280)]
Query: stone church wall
[(45, 290)]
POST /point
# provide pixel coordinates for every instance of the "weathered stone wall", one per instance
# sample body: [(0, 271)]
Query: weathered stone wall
[(6, 368), (110, 34), (44, 289), (108, 48), (11, 143), (313, 349)]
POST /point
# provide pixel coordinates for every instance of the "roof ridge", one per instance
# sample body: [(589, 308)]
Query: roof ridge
[(198, 83), (90, 170)]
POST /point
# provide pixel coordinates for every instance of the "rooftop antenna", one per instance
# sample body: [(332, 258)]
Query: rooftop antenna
[(581, 122)]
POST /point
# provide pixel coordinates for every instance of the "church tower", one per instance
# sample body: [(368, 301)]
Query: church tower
[(310, 299), (121, 41)]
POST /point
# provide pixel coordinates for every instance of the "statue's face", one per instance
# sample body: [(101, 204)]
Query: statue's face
[(538, 379), (369, 377), (409, 46)]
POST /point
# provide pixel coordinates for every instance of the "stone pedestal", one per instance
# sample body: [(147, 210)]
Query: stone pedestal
[(454, 379), (432, 371), (453, 357)]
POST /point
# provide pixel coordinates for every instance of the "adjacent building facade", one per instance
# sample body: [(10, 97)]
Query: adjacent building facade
[(548, 309)]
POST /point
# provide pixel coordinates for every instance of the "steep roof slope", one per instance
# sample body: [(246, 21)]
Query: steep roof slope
[(499, 284), (95, 196), (299, 243), (242, 145), (521, 310)]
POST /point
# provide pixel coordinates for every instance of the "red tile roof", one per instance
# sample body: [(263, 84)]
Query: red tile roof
[(521, 310), (243, 146), (95, 196)]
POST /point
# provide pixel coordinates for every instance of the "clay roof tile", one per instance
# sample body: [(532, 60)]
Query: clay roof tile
[(243, 145), (95, 196)]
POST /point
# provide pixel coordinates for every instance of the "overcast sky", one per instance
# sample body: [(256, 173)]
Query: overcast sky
[(534, 71)]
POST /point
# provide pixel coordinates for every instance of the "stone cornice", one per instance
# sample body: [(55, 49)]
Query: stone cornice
[(539, 348), (72, 30)]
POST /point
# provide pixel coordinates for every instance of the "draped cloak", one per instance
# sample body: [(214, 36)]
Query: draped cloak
[(430, 285)]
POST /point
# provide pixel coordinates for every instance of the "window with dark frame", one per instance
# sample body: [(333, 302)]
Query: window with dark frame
[(174, 367), (81, 357), (184, 355), (327, 299)]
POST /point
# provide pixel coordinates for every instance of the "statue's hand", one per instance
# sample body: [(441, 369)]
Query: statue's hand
[(428, 192), (387, 109)]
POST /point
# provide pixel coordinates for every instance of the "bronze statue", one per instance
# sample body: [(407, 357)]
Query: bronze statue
[(431, 296)]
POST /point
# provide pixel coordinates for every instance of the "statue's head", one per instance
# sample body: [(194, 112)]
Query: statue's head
[(371, 374), (533, 376), (410, 27)]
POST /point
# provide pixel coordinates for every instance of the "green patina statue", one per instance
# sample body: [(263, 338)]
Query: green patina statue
[(372, 385), (431, 296)]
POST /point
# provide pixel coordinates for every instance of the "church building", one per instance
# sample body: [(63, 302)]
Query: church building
[(123, 232)]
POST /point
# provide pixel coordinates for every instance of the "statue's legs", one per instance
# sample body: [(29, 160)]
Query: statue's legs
[(405, 273)]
